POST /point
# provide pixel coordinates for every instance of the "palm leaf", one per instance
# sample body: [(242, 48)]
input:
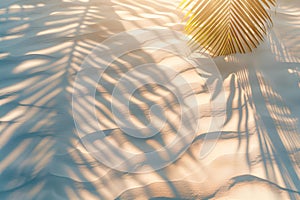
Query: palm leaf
[(224, 27)]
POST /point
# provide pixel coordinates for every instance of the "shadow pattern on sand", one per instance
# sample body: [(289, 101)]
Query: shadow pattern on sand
[(41, 49), (273, 95)]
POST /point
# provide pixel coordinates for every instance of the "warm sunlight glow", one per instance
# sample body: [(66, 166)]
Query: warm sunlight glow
[(149, 100)]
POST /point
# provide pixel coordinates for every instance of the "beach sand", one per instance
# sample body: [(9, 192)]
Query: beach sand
[(42, 48)]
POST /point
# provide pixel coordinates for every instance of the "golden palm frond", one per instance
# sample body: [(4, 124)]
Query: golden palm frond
[(224, 27)]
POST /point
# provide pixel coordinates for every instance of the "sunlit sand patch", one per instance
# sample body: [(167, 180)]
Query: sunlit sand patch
[(43, 156)]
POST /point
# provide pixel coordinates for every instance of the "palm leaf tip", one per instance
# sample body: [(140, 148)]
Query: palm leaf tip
[(224, 27)]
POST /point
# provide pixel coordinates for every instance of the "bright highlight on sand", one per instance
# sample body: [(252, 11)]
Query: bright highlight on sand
[(104, 99)]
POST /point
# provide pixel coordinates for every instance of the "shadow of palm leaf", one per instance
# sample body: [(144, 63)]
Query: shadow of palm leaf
[(41, 49), (276, 111)]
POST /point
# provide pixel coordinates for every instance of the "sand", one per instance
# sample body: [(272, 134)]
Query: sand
[(42, 48)]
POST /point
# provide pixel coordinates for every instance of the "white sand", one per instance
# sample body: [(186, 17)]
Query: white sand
[(42, 46)]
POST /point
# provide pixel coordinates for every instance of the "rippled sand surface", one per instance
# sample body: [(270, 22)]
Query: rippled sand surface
[(42, 48)]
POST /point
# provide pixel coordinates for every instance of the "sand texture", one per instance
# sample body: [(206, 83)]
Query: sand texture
[(42, 47)]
